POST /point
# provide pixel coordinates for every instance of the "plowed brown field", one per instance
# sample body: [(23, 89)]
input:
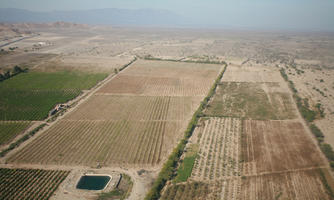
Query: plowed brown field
[(273, 146)]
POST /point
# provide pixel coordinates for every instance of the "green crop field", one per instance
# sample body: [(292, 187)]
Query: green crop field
[(30, 96), (8, 130)]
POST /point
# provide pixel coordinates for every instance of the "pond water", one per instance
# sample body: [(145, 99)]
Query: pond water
[(93, 182)]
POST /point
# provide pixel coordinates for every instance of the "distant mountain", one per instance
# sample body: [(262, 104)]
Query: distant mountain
[(109, 16), (12, 30)]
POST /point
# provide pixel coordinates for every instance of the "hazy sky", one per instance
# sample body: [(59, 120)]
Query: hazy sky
[(271, 14)]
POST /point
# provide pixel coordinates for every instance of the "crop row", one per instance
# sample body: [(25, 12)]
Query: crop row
[(219, 154), (297, 185), (110, 107), (188, 191), (157, 86), (169, 168), (104, 142), (10, 129), (29, 183), (214, 190)]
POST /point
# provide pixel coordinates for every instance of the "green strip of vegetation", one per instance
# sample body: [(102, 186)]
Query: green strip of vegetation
[(329, 190), (187, 164), (168, 170), (21, 140), (310, 115), (127, 65), (303, 107), (149, 57)]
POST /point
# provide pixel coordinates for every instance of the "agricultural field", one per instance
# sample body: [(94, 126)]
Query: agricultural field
[(251, 73), (273, 146), (31, 95), (299, 185), (126, 107), (29, 183), (10, 129), (252, 159), (164, 78), (249, 142), (157, 86), (219, 152), (88, 64), (123, 128), (252, 101), (188, 191), (251, 145), (110, 143)]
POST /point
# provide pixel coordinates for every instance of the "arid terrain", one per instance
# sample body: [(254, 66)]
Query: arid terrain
[(244, 104)]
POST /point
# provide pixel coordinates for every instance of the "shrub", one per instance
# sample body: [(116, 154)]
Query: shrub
[(316, 131), (328, 151)]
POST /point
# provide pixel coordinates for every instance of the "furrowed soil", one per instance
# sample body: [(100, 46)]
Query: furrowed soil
[(274, 146)]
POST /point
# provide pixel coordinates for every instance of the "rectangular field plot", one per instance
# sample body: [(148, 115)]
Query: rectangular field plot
[(251, 100), (213, 190), (10, 129), (29, 183), (219, 144), (188, 191), (110, 107), (150, 68), (105, 142), (254, 74), (161, 78), (30, 96), (301, 185), (158, 86), (272, 146)]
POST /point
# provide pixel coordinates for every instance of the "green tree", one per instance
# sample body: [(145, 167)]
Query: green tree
[(7, 75), (2, 77), (17, 70)]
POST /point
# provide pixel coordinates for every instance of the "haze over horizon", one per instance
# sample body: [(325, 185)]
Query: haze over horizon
[(305, 15)]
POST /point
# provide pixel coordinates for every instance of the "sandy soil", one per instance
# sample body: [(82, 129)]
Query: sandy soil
[(318, 86)]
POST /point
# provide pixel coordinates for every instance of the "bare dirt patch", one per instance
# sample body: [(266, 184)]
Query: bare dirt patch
[(290, 185), (273, 146), (175, 69), (253, 74)]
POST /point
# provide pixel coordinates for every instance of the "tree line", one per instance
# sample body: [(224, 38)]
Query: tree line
[(10, 73)]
